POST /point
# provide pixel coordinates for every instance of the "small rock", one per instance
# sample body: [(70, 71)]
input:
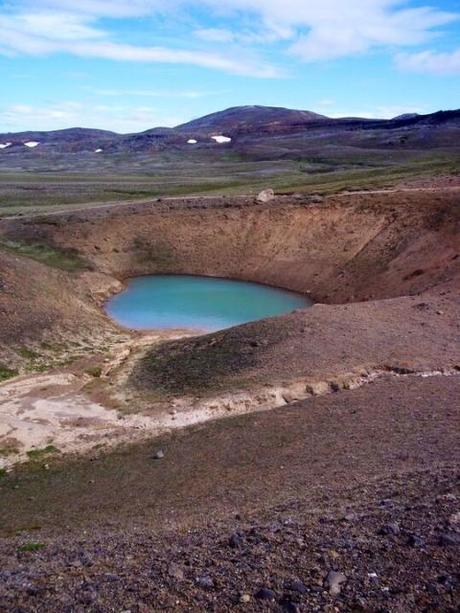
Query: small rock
[(446, 497), (289, 606), (333, 582), (289, 397), (386, 502), (390, 529), (235, 541), (296, 586), (454, 520), (159, 455), (415, 541), (176, 571), (245, 598), (205, 582), (372, 575), (449, 539), (360, 604), (88, 597), (265, 196), (317, 389), (265, 594), (333, 554)]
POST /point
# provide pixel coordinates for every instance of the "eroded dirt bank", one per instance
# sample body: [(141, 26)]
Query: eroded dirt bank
[(344, 248)]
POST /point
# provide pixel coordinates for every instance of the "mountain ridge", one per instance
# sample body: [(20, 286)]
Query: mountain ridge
[(241, 124)]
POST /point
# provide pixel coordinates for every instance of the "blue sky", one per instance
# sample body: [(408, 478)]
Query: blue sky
[(129, 65)]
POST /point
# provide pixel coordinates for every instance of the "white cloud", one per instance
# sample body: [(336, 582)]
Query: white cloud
[(157, 93), (216, 35), (43, 33), (51, 26), (98, 8), (430, 62), (339, 36), (329, 29), (310, 30), (120, 118)]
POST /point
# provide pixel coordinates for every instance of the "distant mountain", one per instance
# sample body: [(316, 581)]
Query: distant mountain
[(406, 116), (258, 131), (70, 139), (243, 119)]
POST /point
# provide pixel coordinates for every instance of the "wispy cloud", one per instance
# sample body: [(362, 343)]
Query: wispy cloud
[(121, 118), (231, 36), (358, 27), (430, 62), (43, 33), (157, 93)]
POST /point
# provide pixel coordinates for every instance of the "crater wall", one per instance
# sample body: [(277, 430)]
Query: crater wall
[(346, 248)]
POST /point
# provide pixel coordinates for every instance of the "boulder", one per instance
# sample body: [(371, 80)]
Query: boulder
[(265, 196)]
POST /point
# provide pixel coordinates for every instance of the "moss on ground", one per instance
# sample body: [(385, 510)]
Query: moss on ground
[(64, 260), (39, 454), (94, 371), (7, 373), (28, 354), (30, 547)]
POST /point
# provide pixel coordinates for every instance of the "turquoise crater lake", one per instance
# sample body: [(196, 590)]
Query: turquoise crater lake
[(203, 303)]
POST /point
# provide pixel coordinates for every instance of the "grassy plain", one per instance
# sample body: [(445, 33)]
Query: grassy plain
[(47, 184)]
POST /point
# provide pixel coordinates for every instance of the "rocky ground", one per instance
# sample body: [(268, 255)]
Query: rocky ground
[(394, 548), (349, 502)]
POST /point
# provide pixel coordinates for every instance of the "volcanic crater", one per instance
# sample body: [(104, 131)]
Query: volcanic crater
[(171, 469), (383, 269)]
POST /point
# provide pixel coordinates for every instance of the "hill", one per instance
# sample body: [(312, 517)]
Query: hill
[(244, 126), (251, 118)]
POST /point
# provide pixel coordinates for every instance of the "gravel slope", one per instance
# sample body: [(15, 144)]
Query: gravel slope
[(362, 483)]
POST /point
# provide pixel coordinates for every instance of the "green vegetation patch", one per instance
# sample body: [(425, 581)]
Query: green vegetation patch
[(94, 371), (39, 454), (7, 373), (64, 260), (8, 451), (31, 547), (27, 353)]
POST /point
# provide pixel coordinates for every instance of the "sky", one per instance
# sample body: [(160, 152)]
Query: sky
[(130, 65)]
